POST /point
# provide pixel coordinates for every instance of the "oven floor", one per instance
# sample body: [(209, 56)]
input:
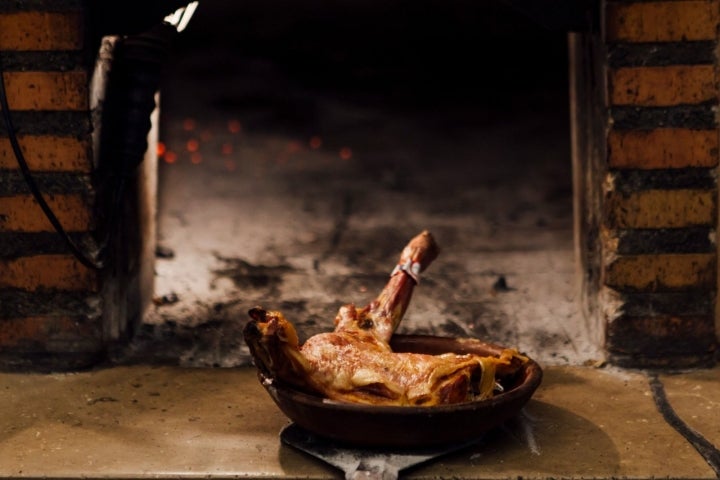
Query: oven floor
[(294, 182), (170, 422)]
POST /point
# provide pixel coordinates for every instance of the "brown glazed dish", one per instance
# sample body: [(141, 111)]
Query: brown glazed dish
[(371, 426)]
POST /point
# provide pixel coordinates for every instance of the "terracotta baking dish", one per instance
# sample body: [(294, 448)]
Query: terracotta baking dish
[(409, 427)]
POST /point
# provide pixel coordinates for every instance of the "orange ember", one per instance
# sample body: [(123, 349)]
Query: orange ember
[(345, 153), (293, 147), (192, 145), (315, 142), (189, 124), (234, 126), (170, 157)]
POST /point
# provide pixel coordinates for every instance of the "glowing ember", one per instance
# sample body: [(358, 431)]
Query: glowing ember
[(227, 148), (234, 126), (345, 153), (189, 124), (161, 149), (293, 147), (192, 145), (170, 157), (196, 158), (315, 142)]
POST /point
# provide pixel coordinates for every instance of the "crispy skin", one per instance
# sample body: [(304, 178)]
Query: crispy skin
[(355, 363)]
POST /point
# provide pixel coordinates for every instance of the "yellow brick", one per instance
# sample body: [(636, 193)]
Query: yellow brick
[(651, 273), (47, 90), (662, 148), (661, 209), (21, 213), (662, 86), (41, 31), (46, 153), (667, 21), (61, 272)]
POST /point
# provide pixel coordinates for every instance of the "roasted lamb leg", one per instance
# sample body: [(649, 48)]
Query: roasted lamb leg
[(355, 363)]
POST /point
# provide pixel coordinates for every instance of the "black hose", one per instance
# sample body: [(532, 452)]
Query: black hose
[(32, 185), (134, 80), (704, 447)]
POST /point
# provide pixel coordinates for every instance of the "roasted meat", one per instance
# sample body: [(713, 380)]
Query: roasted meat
[(355, 363)]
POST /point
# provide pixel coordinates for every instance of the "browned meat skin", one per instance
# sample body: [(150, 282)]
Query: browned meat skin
[(352, 364), (355, 363)]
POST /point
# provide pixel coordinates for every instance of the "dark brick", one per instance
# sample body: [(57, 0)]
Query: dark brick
[(691, 303), (628, 181), (662, 336), (45, 61), (41, 5), (665, 240), (13, 183), (21, 303), (661, 54), (24, 244), (50, 123), (682, 116)]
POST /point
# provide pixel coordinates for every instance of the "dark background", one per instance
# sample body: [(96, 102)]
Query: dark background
[(404, 52)]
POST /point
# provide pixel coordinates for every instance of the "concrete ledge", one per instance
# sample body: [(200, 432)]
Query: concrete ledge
[(163, 422)]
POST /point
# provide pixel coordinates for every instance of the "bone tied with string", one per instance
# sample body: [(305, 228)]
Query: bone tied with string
[(355, 362)]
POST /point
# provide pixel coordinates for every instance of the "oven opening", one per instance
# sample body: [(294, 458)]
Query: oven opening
[(302, 145), (569, 177)]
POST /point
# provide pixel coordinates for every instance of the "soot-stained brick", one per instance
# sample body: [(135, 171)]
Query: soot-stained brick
[(682, 116), (627, 181), (694, 303), (20, 244), (44, 61), (665, 240), (50, 123), (671, 335), (22, 303), (661, 54), (13, 183), (41, 5)]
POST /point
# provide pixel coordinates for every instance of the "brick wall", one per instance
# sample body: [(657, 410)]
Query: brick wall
[(49, 304), (56, 313), (653, 174)]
